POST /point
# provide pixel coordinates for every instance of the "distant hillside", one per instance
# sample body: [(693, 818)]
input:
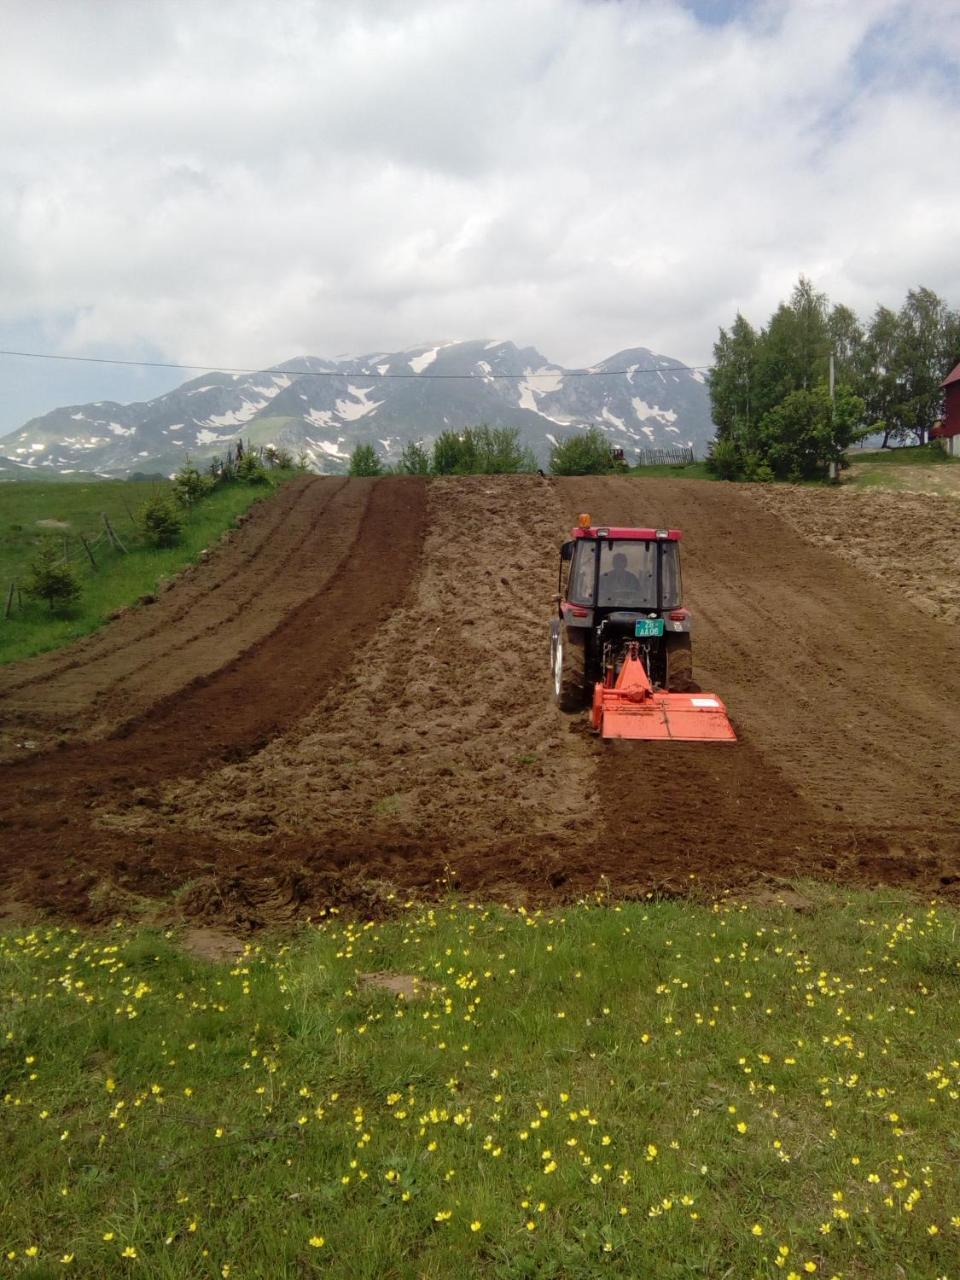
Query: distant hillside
[(326, 407), (10, 470)]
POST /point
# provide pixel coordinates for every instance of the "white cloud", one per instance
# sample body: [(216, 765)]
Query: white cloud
[(237, 182)]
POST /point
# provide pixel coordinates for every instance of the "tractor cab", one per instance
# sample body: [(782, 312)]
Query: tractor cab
[(621, 622), (612, 568), (618, 585)]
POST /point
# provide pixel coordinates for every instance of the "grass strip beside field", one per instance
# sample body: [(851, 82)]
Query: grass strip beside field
[(33, 512), (916, 455), (656, 1089), (684, 471)]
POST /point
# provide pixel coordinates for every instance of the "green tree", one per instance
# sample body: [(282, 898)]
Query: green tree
[(924, 353), (160, 521), (807, 431), (449, 454), (250, 469), (278, 456), (724, 459), (499, 452), (189, 486), (794, 349), (365, 461), (847, 340), (586, 454), (482, 450), (734, 378), (51, 578), (881, 377), (414, 459)]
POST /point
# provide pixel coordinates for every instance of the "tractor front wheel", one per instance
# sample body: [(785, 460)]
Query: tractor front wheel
[(680, 663), (569, 673)]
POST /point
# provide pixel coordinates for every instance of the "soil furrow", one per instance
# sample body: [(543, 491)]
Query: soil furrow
[(395, 731), (232, 599), (48, 802)]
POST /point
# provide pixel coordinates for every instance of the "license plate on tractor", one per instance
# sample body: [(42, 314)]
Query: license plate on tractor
[(646, 627)]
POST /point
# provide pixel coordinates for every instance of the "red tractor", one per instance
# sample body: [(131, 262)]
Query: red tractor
[(621, 640)]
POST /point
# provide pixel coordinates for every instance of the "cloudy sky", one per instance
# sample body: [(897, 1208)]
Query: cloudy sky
[(235, 183)]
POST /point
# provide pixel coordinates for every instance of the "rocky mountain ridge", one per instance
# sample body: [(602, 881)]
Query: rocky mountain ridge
[(324, 408)]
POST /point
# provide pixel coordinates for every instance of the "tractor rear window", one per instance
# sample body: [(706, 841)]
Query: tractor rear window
[(628, 575)]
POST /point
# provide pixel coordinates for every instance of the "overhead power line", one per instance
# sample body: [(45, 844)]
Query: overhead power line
[(364, 373)]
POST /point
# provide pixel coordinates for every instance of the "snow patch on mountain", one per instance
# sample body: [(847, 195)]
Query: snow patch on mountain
[(539, 382), (419, 363), (360, 406), (213, 437), (644, 410), (327, 447), (235, 417)]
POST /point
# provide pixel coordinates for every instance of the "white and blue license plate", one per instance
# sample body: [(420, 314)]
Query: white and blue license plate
[(646, 627)]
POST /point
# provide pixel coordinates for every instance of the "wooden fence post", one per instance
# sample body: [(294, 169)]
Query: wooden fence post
[(13, 587), (86, 547), (111, 533)]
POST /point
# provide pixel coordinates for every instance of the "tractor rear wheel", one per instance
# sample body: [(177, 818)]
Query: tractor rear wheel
[(679, 663), (569, 673)]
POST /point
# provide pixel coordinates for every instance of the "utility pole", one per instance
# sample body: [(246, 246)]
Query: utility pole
[(834, 468)]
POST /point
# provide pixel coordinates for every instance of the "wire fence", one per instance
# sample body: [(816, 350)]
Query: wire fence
[(83, 549), (76, 549)]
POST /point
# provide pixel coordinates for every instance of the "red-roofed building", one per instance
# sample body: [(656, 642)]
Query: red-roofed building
[(949, 429)]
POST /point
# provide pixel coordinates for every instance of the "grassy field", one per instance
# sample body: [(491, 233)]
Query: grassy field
[(690, 471), (657, 1089), (918, 469), (32, 512)]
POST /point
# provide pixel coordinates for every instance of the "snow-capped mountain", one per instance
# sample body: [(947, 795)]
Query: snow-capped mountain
[(324, 408)]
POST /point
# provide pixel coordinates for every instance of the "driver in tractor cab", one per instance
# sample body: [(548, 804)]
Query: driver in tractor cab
[(618, 582)]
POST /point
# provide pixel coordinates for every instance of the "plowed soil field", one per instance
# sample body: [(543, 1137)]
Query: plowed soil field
[(350, 701)]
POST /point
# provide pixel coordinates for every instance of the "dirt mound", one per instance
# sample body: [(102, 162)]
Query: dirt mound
[(350, 702)]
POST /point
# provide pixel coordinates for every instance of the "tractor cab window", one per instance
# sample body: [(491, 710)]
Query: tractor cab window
[(582, 572), (670, 574), (628, 575)]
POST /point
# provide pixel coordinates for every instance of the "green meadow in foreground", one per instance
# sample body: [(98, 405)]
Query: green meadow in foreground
[(31, 512), (656, 1089)]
